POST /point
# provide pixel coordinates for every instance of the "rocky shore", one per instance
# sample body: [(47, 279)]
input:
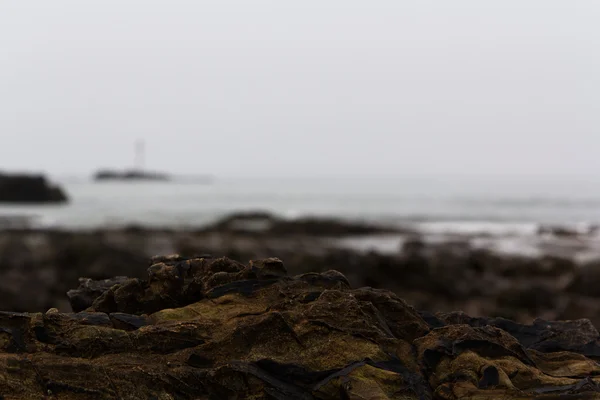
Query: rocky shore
[(214, 328), (37, 267)]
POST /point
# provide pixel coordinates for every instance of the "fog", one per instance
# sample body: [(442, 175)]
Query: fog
[(273, 88)]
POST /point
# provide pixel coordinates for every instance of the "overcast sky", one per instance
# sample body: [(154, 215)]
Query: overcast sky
[(332, 87)]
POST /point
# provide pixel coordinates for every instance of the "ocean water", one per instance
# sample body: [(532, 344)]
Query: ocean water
[(493, 205)]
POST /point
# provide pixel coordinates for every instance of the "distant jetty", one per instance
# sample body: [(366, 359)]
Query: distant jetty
[(147, 176), (137, 173), (130, 175)]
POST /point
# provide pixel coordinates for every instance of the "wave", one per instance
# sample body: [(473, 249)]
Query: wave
[(557, 202)]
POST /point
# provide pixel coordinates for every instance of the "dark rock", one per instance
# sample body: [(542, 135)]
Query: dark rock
[(270, 224), (167, 258), (172, 283), (534, 297), (413, 245), (561, 231), (578, 336), (88, 290), (85, 318), (587, 280), (578, 307), (127, 322), (327, 227), (244, 222), (268, 268), (22, 188)]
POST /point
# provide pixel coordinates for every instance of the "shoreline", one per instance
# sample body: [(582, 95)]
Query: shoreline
[(440, 273), (580, 242)]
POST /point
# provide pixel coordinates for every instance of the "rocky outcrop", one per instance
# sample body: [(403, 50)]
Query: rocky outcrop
[(38, 267), (201, 328), (20, 188), (88, 290), (259, 222)]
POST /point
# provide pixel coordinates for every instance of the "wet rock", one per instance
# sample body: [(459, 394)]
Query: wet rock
[(268, 268), (127, 322), (260, 222), (534, 297), (579, 336), (167, 258), (89, 289), (578, 307), (175, 282), (413, 245), (254, 332), (587, 280), (245, 222), (327, 227), (565, 231)]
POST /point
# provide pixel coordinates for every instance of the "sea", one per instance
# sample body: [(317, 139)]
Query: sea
[(485, 206), (468, 203)]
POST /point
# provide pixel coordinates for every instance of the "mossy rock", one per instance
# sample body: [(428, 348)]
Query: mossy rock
[(217, 329)]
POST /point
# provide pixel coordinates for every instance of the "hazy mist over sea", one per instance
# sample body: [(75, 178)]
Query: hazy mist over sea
[(451, 113), (269, 88), (458, 203)]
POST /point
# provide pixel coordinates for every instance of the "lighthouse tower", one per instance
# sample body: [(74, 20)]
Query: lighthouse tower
[(138, 162)]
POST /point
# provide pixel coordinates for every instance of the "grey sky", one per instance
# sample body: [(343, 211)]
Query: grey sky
[(301, 87)]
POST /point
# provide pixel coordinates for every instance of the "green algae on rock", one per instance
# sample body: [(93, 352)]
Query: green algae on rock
[(202, 328)]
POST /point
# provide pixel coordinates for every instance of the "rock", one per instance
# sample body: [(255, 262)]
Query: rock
[(88, 290), (38, 266), (244, 222), (587, 280), (21, 188), (312, 226), (214, 328), (578, 307), (171, 283), (270, 224), (268, 268), (566, 231), (413, 246)]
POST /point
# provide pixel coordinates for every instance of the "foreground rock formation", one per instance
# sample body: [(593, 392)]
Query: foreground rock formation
[(205, 328), (20, 188)]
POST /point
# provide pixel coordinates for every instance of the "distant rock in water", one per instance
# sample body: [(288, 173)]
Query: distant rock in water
[(130, 175), (254, 222), (568, 232), (25, 188)]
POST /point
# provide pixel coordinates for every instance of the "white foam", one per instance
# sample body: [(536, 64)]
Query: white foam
[(477, 228)]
